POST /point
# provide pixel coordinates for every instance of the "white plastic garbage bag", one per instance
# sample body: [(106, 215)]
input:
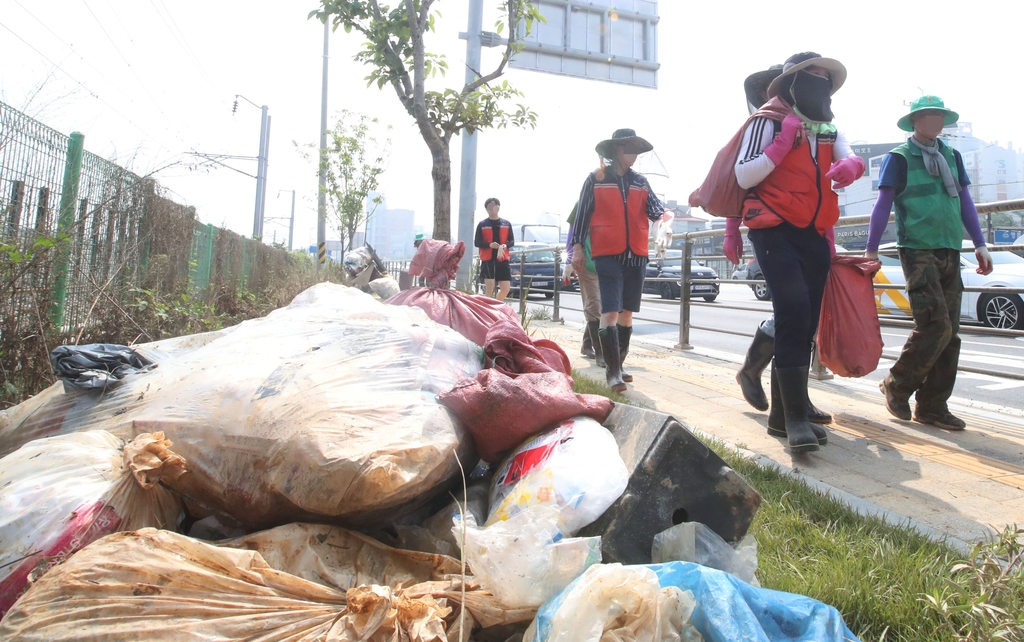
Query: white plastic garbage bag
[(524, 560), (57, 495), (575, 467)]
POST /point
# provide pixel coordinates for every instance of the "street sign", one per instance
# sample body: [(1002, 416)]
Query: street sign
[(1006, 237), (612, 40)]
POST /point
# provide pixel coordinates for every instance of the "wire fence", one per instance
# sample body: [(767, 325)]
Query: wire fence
[(90, 251)]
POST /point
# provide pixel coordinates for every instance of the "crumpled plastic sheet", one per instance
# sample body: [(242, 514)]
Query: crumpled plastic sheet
[(161, 586), (323, 410), (59, 494), (97, 365)]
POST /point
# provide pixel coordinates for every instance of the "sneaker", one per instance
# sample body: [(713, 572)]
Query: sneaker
[(898, 407), (942, 419)]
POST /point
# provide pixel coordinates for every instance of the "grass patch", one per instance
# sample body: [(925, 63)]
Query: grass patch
[(878, 575), (584, 385)]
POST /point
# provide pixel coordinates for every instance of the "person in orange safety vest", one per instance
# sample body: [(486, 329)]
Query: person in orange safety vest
[(493, 238)]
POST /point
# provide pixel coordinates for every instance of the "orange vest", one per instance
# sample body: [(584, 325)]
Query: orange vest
[(486, 253), (796, 191), (612, 229)]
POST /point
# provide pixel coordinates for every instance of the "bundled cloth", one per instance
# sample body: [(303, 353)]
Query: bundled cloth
[(437, 262)]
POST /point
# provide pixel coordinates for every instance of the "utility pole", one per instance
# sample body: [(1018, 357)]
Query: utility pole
[(467, 176), (261, 173), (321, 223), (266, 167), (291, 224)]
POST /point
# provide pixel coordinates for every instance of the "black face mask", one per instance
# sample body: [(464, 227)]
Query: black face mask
[(812, 96)]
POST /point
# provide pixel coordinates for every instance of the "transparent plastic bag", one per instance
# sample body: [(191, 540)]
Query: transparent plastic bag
[(612, 603), (524, 560), (575, 467), (695, 542), (59, 494)]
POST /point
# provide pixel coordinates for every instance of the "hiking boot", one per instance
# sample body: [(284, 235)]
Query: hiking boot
[(759, 355), (625, 332), (897, 405), (793, 390), (777, 416), (595, 340), (587, 349), (613, 368), (940, 419)]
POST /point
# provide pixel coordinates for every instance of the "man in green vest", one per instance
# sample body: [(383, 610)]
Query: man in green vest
[(925, 179)]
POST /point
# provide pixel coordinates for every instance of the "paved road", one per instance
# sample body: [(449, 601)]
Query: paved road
[(982, 351)]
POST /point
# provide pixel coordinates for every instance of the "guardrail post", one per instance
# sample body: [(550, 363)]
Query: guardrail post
[(557, 281), (818, 369), (684, 298)]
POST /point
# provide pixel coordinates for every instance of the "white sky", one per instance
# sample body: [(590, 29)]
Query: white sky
[(158, 78)]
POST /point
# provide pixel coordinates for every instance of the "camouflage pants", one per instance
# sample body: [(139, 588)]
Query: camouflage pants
[(930, 356)]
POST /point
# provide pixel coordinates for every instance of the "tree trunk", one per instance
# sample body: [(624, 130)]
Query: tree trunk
[(441, 172)]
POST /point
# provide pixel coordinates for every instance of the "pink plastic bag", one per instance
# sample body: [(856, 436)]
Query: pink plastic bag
[(849, 336)]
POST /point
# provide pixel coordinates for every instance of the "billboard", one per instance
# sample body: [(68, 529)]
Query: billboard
[(611, 40)]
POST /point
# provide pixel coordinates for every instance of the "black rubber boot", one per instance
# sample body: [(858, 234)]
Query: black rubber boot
[(777, 416), (816, 415), (613, 368), (793, 388), (587, 349), (625, 332), (595, 340), (759, 355)]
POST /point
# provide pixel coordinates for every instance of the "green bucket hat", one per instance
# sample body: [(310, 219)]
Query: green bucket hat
[(419, 237), (923, 103)]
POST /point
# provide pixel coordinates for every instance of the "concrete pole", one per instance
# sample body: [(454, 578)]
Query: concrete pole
[(266, 170), (467, 176), (291, 224), (321, 223), (260, 169)]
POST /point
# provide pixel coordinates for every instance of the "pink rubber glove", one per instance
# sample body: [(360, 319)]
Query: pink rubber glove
[(830, 236), (787, 140), (733, 245), (845, 171)]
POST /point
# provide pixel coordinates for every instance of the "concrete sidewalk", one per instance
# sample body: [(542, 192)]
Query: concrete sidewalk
[(960, 484)]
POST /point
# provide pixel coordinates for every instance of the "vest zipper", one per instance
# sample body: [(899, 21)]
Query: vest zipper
[(625, 209), (817, 182)]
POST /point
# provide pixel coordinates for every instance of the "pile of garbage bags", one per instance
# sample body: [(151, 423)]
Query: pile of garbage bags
[(300, 477)]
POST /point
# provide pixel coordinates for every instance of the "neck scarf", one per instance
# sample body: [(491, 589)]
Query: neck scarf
[(814, 126), (937, 166)]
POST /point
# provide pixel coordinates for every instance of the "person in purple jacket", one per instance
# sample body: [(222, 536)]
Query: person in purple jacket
[(925, 179)]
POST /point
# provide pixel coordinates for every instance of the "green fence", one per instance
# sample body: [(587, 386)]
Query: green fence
[(81, 236)]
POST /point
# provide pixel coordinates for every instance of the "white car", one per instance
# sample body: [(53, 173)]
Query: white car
[(995, 310)]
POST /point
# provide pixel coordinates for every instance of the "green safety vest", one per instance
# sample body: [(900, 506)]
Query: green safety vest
[(927, 218)]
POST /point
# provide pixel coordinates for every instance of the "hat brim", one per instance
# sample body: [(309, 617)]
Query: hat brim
[(757, 81), (949, 117), (606, 148), (836, 71)]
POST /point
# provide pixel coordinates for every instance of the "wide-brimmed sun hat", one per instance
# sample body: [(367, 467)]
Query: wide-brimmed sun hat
[(923, 103), (758, 82), (623, 138), (800, 61)]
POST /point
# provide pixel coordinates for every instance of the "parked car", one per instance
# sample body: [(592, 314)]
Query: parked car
[(996, 310), (658, 269), (752, 272), (538, 270)]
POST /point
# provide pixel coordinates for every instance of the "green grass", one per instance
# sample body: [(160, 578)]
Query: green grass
[(585, 385), (890, 582)]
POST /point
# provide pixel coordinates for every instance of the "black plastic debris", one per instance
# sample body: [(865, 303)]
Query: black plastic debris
[(94, 366)]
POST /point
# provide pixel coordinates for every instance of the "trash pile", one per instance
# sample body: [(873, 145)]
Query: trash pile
[(348, 469)]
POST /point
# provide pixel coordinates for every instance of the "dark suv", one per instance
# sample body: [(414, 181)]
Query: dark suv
[(752, 272), (657, 269)]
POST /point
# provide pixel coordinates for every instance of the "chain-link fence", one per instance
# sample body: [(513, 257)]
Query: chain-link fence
[(90, 251)]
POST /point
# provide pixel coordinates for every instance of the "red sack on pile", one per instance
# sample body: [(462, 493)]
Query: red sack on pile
[(471, 315), (513, 352), (437, 262), (501, 412), (849, 335)]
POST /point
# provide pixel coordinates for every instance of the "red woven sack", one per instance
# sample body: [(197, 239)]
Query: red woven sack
[(849, 336), (501, 412)]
